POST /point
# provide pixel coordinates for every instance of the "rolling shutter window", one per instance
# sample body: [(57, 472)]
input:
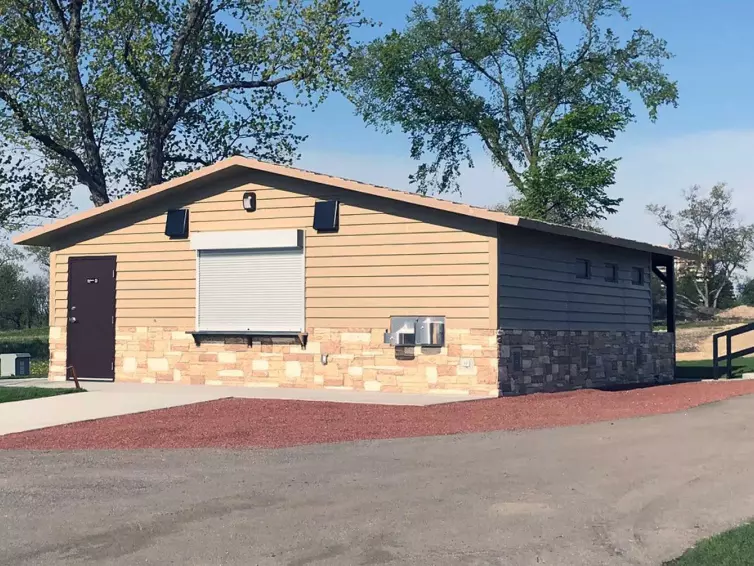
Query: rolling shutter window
[(254, 290)]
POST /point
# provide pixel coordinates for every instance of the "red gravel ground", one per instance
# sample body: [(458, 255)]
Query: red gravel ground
[(258, 423)]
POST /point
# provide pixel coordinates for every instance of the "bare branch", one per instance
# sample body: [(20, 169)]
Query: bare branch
[(186, 159), (243, 85)]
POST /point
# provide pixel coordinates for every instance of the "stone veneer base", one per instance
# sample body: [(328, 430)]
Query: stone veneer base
[(475, 362), (547, 360), (356, 359)]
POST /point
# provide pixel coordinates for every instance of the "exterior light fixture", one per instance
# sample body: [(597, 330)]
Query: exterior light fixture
[(250, 202)]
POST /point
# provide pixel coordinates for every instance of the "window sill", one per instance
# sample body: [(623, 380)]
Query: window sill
[(201, 335)]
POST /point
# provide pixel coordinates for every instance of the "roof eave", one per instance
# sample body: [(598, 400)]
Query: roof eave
[(560, 230), (46, 235)]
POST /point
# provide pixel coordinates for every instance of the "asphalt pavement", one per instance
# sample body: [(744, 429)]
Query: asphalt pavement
[(636, 491)]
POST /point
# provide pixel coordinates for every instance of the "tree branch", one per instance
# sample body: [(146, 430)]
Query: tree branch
[(46, 140), (137, 75), (177, 158), (242, 85)]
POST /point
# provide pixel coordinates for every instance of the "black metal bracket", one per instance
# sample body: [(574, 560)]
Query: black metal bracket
[(200, 336), (660, 275), (668, 279)]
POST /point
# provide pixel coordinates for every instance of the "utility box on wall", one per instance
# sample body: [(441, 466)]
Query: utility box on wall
[(15, 365), (416, 330)]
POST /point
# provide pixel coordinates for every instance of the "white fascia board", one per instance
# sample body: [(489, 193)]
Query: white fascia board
[(248, 240)]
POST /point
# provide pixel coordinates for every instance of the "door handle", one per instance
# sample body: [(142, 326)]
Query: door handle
[(73, 319)]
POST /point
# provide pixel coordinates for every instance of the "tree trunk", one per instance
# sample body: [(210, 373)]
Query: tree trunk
[(97, 192), (155, 154), (71, 31)]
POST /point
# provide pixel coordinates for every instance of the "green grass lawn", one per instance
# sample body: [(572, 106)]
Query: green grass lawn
[(733, 548), (41, 332), (8, 394), (740, 366)]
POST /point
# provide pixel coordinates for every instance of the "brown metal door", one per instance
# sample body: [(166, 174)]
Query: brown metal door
[(91, 317)]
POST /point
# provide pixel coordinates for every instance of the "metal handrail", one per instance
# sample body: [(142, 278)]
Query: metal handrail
[(729, 356)]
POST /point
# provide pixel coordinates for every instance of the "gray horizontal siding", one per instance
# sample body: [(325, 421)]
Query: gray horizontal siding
[(538, 288)]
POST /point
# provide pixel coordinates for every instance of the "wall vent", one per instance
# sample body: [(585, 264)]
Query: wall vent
[(326, 216), (177, 225)]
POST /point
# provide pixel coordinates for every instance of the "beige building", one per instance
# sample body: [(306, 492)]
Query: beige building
[(222, 277)]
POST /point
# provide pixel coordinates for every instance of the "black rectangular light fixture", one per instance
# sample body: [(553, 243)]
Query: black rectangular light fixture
[(326, 216), (177, 224), (250, 202)]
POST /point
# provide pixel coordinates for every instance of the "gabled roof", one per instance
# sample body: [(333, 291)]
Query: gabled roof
[(45, 235)]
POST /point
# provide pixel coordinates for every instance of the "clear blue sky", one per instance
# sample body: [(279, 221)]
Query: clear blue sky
[(709, 137)]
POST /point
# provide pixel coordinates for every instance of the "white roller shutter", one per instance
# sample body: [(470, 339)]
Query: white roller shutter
[(251, 290)]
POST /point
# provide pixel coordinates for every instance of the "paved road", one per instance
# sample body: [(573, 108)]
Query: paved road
[(633, 492)]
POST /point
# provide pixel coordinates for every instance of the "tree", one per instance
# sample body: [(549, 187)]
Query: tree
[(24, 299), (9, 255), (118, 95), (39, 255), (746, 292), (659, 299), (709, 228), (538, 82)]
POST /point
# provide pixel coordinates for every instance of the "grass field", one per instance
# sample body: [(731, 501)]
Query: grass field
[(9, 394), (732, 548), (740, 366), (32, 341)]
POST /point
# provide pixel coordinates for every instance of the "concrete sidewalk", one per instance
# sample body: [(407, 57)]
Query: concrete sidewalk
[(113, 399)]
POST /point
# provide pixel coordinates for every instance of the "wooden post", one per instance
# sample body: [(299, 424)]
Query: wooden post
[(75, 376)]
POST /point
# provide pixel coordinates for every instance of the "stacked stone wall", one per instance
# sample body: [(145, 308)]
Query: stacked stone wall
[(351, 358), (549, 360)]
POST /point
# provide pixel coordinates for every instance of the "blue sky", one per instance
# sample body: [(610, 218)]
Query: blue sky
[(708, 138)]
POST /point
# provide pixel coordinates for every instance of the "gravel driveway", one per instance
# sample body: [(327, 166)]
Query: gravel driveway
[(636, 491)]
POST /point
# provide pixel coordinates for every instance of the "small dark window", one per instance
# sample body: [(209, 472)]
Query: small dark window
[(326, 216), (611, 272), (176, 225), (583, 268), (637, 276)]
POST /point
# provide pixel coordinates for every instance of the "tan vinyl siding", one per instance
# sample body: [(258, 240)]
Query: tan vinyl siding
[(387, 259)]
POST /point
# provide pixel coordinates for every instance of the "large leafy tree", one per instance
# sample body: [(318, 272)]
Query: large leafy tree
[(746, 292), (541, 84), (708, 226), (118, 95), (23, 301)]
